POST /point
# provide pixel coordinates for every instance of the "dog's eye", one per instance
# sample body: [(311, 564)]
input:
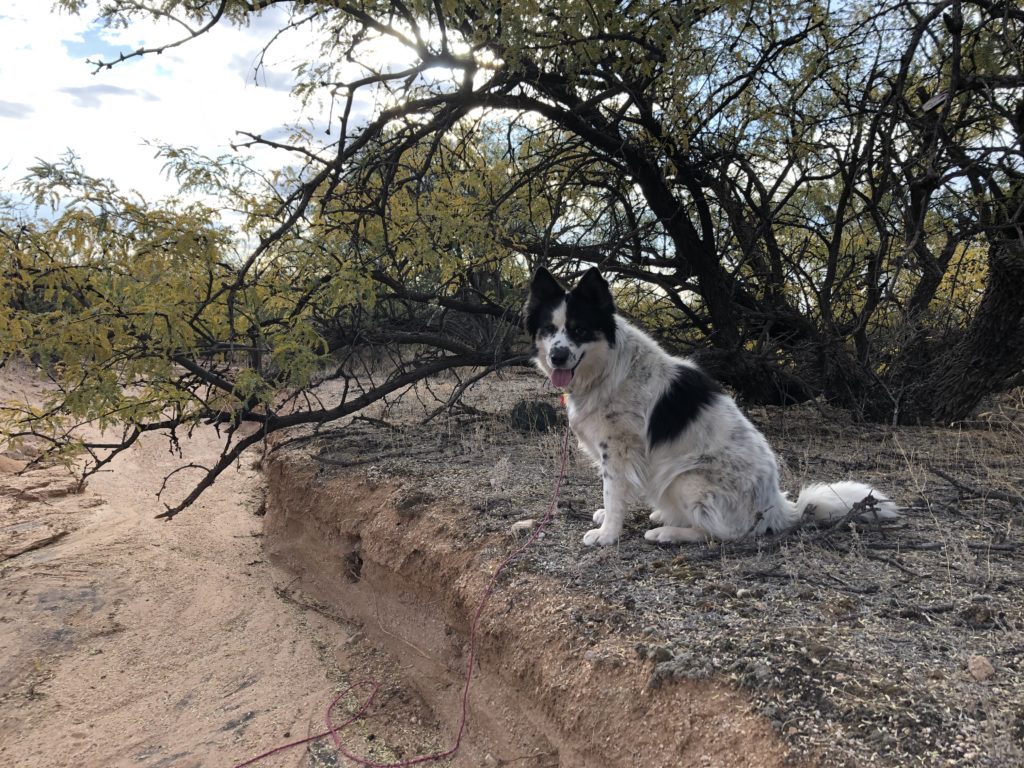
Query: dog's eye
[(579, 335), (548, 330)]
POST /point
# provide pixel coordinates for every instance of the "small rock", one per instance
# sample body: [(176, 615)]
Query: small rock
[(9, 466), (533, 416), (410, 502), (981, 668), (726, 588), (521, 526), (977, 616), (659, 654)]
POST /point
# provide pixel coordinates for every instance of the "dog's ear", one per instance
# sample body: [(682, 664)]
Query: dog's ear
[(544, 286), (543, 289), (593, 289)]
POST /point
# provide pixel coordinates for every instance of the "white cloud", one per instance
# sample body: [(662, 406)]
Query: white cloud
[(91, 96), (15, 111), (198, 94)]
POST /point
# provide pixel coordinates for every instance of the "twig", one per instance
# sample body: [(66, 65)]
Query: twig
[(460, 390), (285, 594), (376, 612), (931, 546), (894, 563), (988, 493)]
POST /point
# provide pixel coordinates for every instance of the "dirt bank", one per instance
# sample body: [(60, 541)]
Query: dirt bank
[(896, 645), (400, 565)]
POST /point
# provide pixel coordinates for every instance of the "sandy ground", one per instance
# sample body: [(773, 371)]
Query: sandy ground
[(130, 641)]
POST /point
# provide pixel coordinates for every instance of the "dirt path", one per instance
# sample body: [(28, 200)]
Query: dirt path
[(128, 641)]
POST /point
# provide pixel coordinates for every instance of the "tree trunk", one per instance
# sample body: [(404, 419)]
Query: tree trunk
[(755, 379), (989, 353)]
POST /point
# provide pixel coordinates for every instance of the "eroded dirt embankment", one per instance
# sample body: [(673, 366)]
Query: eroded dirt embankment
[(412, 574)]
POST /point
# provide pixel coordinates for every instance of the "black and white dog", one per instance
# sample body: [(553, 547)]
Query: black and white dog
[(662, 430)]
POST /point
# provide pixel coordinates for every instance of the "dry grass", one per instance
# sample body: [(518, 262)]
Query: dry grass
[(855, 645)]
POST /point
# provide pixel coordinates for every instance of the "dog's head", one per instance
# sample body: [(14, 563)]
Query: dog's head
[(572, 330)]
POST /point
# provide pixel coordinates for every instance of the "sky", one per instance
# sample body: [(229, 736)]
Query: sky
[(196, 95)]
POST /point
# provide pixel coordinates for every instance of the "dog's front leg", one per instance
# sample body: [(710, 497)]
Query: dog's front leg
[(615, 499), (620, 476)]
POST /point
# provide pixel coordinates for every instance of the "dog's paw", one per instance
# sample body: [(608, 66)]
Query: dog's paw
[(669, 534), (657, 517), (599, 537), (599, 516)]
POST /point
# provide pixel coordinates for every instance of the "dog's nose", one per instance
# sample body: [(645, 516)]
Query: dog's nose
[(559, 356)]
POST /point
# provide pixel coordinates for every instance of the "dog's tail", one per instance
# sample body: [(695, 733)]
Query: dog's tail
[(833, 501)]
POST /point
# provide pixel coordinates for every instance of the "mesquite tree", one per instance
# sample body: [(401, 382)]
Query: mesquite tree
[(820, 200)]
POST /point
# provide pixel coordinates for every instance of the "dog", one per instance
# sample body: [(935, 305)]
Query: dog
[(659, 428)]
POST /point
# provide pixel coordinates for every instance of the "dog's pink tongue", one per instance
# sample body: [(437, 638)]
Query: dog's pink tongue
[(561, 377)]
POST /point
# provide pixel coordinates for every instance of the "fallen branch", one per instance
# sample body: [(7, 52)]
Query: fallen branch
[(931, 546), (983, 493), (919, 612), (894, 563)]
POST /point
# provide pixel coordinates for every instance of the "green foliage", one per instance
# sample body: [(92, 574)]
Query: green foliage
[(116, 298), (830, 185)]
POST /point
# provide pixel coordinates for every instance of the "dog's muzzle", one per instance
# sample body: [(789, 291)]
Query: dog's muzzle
[(561, 377)]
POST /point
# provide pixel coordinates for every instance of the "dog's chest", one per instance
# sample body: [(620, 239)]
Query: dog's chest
[(598, 424), (586, 424)]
